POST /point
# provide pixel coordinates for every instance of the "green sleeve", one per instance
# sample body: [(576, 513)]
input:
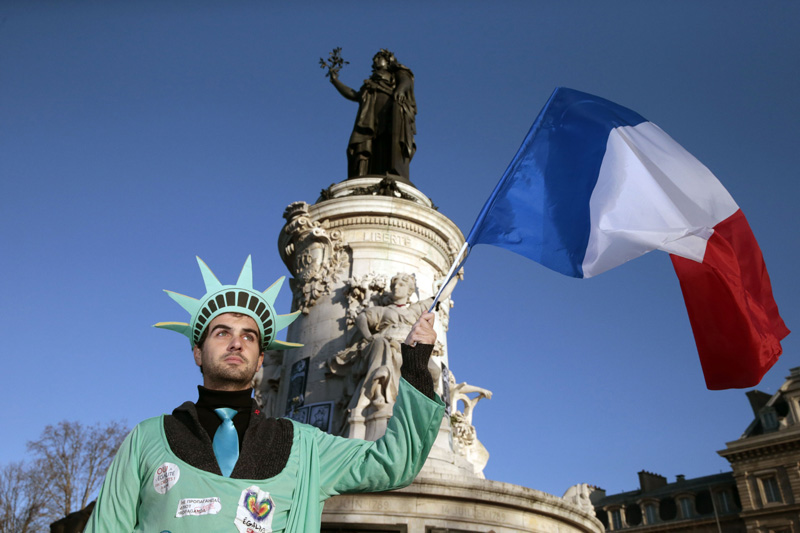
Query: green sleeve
[(394, 460), (117, 503)]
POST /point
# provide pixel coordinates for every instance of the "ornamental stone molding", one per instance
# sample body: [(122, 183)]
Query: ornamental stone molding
[(454, 503), (315, 256), (386, 187)]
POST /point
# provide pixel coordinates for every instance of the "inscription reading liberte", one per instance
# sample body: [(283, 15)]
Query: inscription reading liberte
[(387, 237)]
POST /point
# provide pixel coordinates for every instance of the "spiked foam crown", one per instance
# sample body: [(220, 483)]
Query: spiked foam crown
[(239, 298)]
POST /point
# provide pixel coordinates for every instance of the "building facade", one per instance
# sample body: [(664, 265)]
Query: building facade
[(766, 461), (759, 495)]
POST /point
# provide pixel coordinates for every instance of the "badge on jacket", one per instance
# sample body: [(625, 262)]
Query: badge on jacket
[(255, 511)]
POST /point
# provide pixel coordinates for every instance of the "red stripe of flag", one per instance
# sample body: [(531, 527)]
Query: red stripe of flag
[(733, 314)]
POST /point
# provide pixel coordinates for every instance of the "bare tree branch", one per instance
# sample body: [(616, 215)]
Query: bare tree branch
[(71, 459), (20, 502)]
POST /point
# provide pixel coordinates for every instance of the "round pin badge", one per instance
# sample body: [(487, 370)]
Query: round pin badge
[(166, 477)]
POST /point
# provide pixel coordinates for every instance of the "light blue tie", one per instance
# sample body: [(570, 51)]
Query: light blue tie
[(226, 441)]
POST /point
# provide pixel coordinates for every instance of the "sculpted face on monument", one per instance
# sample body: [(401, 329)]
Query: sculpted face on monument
[(379, 62), (403, 286)]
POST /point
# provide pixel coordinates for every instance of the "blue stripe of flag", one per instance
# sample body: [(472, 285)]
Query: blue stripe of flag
[(540, 207)]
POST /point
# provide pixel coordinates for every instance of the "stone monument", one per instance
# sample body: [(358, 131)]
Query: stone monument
[(366, 259)]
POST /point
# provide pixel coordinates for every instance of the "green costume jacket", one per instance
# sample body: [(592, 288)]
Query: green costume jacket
[(150, 488)]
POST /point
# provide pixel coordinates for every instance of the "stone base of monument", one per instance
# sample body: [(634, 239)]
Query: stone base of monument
[(438, 504), (443, 462)]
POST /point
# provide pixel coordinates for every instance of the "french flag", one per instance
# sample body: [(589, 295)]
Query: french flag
[(595, 184)]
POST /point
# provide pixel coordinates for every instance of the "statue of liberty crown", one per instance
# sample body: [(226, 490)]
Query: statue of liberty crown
[(239, 298)]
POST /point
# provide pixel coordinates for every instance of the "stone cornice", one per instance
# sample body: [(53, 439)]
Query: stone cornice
[(762, 445), (426, 223), (782, 441), (771, 510)]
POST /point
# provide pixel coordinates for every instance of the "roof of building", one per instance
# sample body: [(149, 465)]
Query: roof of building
[(676, 487)]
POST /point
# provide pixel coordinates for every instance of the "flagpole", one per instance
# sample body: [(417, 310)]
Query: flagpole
[(449, 276)]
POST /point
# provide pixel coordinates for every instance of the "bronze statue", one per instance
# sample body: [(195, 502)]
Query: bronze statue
[(382, 142)]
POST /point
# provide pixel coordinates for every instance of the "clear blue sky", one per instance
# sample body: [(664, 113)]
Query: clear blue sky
[(136, 135)]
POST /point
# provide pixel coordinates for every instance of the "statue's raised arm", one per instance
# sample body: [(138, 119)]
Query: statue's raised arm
[(344, 90)]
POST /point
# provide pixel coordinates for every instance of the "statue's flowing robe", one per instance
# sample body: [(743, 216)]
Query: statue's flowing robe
[(374, 366), (384, 129)]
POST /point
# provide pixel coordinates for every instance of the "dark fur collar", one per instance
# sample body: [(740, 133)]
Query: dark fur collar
[(265, 450)]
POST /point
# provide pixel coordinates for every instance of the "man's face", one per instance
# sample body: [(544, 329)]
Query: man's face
[(231, 353)]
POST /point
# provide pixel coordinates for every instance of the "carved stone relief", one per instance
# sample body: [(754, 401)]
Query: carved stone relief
[(266, 382), (381, 320), (580, 495), (365, 291), (465, 440), (315, 255)]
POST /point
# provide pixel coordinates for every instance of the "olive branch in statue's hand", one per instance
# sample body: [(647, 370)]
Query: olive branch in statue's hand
[(334, 63)]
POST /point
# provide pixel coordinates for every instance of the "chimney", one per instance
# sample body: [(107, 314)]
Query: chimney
[(649, 481)]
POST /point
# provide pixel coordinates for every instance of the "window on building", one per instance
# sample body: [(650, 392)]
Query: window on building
[(702, 503), (770, 489), (769, 420), (686, 507), (602, 515), (724, 502), (651, 513), (616, 519), (633, 515), (667, 509)]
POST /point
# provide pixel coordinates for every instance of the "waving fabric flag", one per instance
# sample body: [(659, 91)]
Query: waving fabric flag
[(595, 185)]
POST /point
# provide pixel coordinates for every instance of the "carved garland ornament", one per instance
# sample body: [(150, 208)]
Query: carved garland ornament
[(315, 256), (364, 291)]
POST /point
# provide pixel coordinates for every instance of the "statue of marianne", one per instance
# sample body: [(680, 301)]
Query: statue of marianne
[(382, 142), (372, 361)]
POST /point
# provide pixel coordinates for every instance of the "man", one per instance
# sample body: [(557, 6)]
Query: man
[(219, 465)]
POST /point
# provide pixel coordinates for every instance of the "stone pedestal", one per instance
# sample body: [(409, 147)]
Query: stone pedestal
[(342, 252), (456, 504)]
